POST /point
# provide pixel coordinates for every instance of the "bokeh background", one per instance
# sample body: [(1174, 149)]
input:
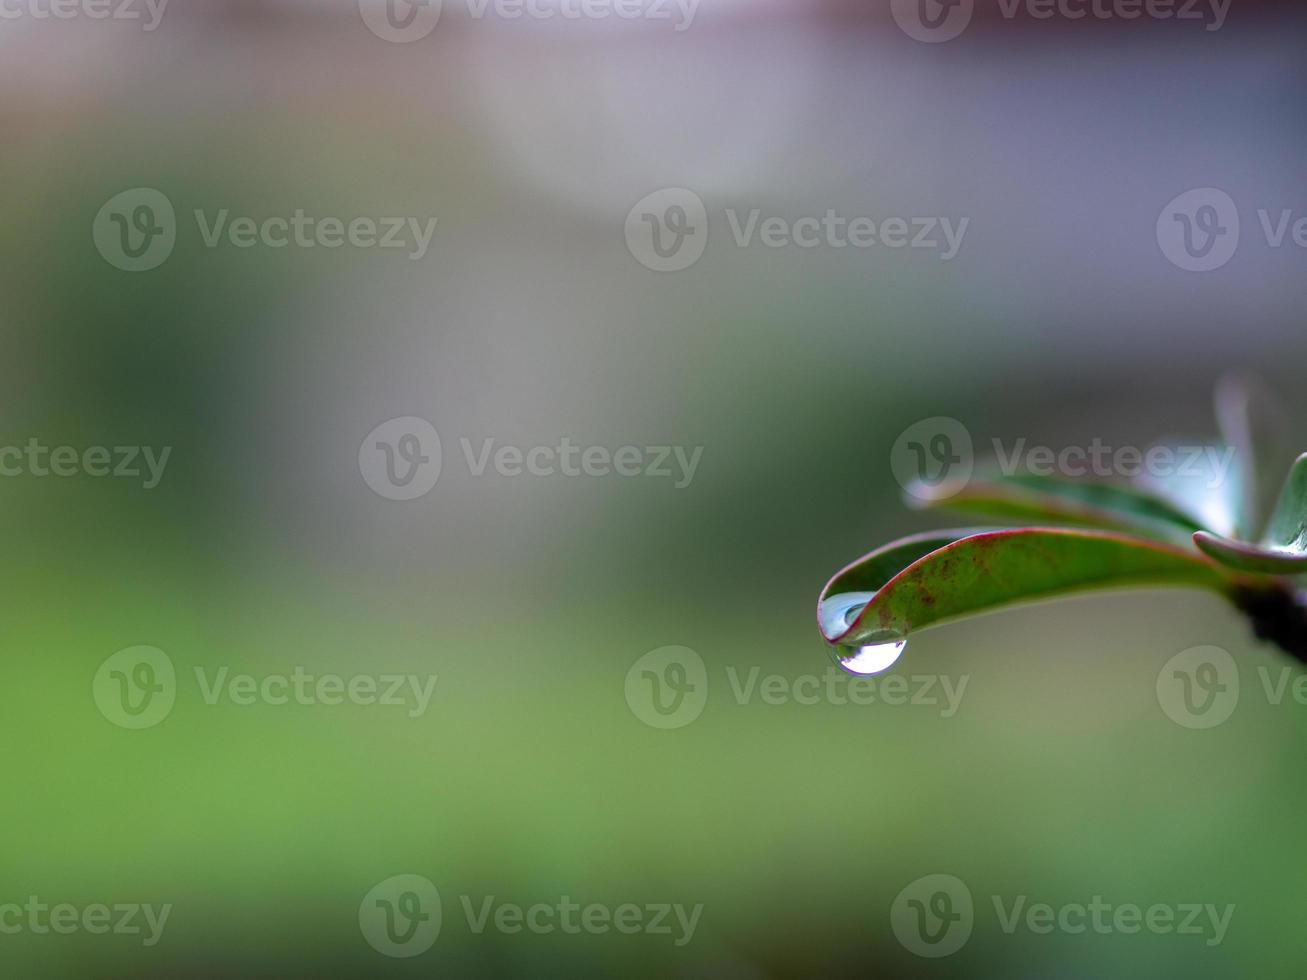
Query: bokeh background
[(529, 320)]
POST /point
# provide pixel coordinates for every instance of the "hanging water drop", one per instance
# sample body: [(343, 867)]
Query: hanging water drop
[(872, 658), (874, 653)]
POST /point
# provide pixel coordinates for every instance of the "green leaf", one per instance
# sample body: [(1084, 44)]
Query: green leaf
[(992, 569), (1288, 526), (1049, 498), (1283, 550), (855, 584)]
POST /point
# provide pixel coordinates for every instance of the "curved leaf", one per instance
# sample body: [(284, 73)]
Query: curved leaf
[(1049, 498), (1283, 551), (992, 569), (854, 585)]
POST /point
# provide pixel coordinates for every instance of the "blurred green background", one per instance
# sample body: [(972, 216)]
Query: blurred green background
[(530, 777)]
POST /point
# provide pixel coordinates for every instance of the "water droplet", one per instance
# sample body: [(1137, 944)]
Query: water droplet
[(838, 612), (880, 654)]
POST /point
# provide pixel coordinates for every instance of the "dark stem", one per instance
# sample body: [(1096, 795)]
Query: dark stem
[(1278, 615)]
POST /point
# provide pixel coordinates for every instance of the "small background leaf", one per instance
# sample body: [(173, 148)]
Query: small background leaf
[(1048, 498), (1254, 422)]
